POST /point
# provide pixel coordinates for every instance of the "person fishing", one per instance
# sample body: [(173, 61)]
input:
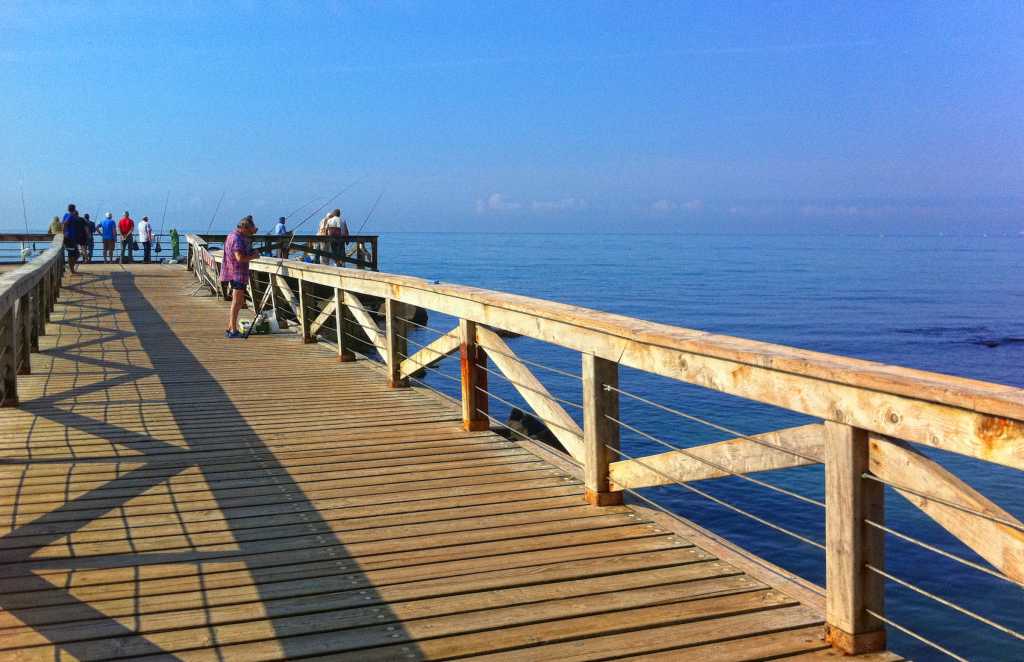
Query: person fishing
[(146, 239), (125, 227), (108, 232), (74, 236), (175, 244), (56, 227), (234, 271), (280, 230), (89, 243), (334, 227)]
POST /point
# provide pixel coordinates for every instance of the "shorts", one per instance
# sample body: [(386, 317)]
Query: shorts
[(236, 285), (108, 244), (71, 247)]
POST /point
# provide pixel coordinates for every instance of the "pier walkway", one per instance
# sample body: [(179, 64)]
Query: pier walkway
[(166, 492)]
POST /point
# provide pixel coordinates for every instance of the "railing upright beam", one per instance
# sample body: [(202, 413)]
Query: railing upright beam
[(600, 433), (39, 298), (304, 317), (851, 544), (472, 360), (23, 326), (340, 323), (395, 331), (9, 358)]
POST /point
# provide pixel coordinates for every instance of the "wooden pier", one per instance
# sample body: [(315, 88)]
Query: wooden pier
[(168, 493)]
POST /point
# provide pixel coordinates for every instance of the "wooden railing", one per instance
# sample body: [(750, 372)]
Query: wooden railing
[(359, 251), (874, 418), (27, 297), (19, 248)]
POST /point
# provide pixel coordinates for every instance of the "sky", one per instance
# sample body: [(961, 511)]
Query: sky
[(519, 116)]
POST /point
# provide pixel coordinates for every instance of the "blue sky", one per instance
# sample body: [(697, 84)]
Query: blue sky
[(495, 116)]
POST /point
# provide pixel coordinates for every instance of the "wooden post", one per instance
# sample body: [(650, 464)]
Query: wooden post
[(9, 359), (304, 317), (395, 334), (281, 321), (39, 297), (344, 355), (474, 378), (598, 431), (22, 323), (32, 298), (850, 543)]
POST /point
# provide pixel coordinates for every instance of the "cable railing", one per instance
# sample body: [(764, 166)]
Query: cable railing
[(872, 426)]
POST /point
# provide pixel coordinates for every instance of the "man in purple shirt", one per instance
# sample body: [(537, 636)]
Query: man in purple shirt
[(234, 269)]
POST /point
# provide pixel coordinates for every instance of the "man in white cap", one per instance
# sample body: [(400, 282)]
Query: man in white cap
[(145, 238)]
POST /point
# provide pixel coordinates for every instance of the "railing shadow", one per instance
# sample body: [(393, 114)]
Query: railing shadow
[(299, 544)]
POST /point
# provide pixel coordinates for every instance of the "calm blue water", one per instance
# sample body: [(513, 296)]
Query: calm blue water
[(921, 302)]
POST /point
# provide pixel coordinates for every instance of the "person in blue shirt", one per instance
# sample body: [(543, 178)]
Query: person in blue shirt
[(74, 236), (108, 230), (280, 230)]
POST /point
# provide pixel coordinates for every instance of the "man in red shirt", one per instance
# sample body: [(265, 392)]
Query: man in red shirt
[(125, 227)]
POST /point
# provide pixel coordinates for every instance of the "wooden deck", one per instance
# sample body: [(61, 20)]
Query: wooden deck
[(167, 492)]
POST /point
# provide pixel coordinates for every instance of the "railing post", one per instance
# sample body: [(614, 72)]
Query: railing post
[(23, 322), (304, 317), (282, 323), (41, 312), (600, 434), (9, 359), (474, 379), (344, 356), (397, 346), (851, 544), (32, 299)]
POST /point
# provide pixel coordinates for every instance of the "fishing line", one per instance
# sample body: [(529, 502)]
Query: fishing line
[(372, 209), (217, 209), (24, 209), (287, 247), (163, 217)]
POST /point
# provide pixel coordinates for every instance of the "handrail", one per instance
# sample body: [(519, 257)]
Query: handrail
[(966, 416), (869, 411), (362, 254), (27, 297)]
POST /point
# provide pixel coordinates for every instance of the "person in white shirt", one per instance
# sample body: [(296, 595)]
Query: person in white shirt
[(336, 229), (145, 232), (280, 230)]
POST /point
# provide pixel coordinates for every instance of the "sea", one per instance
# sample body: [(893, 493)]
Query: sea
[(949, 304)]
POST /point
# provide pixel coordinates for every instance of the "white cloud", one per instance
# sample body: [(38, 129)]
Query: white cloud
[(496, 202), (664, 206), (565, 204)]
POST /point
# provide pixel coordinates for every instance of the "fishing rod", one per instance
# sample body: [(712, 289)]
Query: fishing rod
[(303, 205), (163, 217), (287, 247), (24, 209), (25, 252), (217, 209), (372, 209)]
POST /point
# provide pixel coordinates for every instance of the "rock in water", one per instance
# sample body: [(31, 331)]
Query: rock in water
[(530, 426), (419, 315)]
